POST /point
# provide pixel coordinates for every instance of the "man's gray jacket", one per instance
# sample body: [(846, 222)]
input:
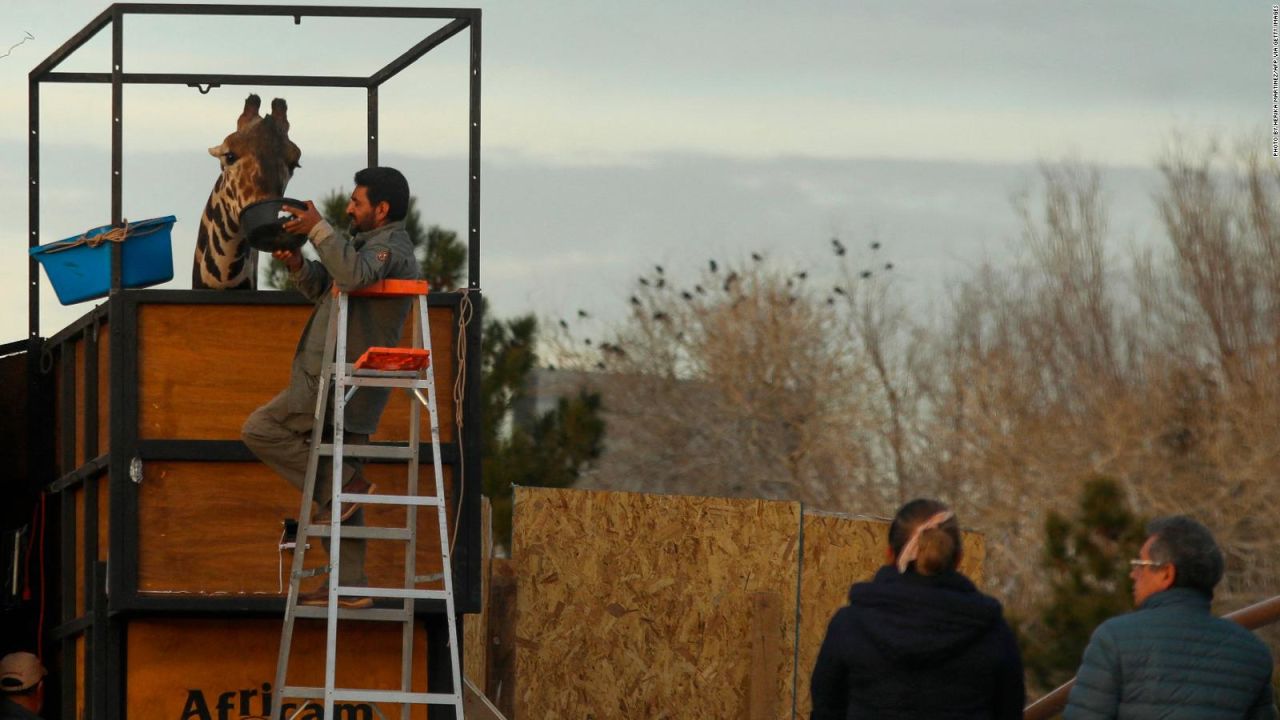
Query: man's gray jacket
[(1173, 659), (351, 263)]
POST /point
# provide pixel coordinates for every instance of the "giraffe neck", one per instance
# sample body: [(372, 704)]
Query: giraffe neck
[(223, 261)]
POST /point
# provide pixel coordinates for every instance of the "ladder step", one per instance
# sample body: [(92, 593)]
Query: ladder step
[(358, 591), (374, 696), (393, 359), (420, 500), (321, 612), (388, 382), (361, 532), (393, 452)]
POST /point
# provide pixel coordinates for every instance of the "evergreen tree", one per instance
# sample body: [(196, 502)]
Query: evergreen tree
[(1086, 559)]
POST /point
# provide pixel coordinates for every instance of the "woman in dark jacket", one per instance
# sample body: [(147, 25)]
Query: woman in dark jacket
[(919, 640)]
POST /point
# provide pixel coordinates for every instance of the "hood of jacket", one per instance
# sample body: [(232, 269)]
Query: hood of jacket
[(918, 619)]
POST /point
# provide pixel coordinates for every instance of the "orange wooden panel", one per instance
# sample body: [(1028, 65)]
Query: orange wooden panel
[(213, 528), (78, 499), (223, 668), (104, 390), (203, 368), (79, 675)]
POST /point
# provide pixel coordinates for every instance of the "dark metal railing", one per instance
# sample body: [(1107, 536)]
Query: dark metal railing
[(1252, 617)]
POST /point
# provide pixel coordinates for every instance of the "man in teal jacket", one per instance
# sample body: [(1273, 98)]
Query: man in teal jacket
[(1172, 658)]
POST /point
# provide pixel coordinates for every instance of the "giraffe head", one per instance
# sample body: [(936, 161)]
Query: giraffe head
[(258, 158), (257, 161)]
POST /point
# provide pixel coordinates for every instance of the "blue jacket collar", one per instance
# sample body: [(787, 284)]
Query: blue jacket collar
[(1178, 597)]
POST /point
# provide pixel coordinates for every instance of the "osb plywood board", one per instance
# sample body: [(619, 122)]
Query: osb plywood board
[(635, 605), (223, 668), (213, 528), (203, 368), (840, 550)]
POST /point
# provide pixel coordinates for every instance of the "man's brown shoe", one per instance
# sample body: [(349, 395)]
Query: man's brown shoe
[(321, 597), (357, 486)]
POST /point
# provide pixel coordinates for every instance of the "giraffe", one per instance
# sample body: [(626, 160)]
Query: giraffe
[(257, 160)]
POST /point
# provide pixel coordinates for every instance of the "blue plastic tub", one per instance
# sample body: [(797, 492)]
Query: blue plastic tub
[(80, 271)]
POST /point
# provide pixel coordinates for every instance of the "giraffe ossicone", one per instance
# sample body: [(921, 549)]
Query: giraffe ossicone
[(257, 161)]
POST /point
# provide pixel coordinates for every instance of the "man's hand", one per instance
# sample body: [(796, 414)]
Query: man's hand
[(290, 258), (303, 219)]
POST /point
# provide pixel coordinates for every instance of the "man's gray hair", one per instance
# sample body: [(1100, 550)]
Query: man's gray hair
[(1190, 548)]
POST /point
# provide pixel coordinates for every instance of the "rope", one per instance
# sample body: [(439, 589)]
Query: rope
[(465, 313), (115, 234)]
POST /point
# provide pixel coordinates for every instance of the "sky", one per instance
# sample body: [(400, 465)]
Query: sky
[(617, 136)]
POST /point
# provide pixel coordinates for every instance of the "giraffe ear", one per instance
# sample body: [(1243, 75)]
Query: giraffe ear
[(280, 113), (251, 105)]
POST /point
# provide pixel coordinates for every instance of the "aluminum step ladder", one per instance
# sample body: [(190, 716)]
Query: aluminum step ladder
[(411, 369)]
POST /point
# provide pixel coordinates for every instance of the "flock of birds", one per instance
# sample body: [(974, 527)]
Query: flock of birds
[(659, 282)]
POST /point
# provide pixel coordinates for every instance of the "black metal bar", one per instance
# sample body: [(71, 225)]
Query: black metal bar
[(372, 122), (72, 627), (75, 43), (470, 548), (13, 347), (290, 10), (71, 333), (207, 79), (91, 469), (235, 451), (33, 206), (439, 664), (67, 530), (221, 606), (123, 440), (99, 655), (423, 47), (92, 677), (473, 190), (117, 140)]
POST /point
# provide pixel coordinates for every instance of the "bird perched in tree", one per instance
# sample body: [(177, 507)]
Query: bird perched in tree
[(865, 274), (699, 289), (757, 257), (635, 301), (658, 268), (686, 294), (837, 246), (582, 313), (713, 265), (839, 290), (564, 324), (644, 282), (875, 245)]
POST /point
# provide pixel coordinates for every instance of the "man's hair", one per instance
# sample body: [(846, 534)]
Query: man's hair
[(384, 184), (939, 548), (1190, 548)]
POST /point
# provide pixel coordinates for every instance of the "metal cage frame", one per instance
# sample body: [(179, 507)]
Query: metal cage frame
[(109, 471)]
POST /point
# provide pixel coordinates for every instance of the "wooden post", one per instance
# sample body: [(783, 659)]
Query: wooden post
[(500, 685), (766, 623)]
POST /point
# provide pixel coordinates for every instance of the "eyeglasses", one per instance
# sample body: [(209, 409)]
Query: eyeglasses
[(1146, 563)]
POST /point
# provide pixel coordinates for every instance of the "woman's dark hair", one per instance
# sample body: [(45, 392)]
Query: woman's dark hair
[(384, 184), (938, 549)]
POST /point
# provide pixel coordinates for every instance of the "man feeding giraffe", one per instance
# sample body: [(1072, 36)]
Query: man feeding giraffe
[(279, 432), (258, 159)]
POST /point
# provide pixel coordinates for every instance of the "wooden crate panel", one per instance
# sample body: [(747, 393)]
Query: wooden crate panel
[(637, 605), (223, 668), (840, 550), (213, 528), (203, 368), (104, 526)]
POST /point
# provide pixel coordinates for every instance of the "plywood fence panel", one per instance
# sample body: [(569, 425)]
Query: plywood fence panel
[(636, 605), (203, 368), (218, 668), (213, 528)]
